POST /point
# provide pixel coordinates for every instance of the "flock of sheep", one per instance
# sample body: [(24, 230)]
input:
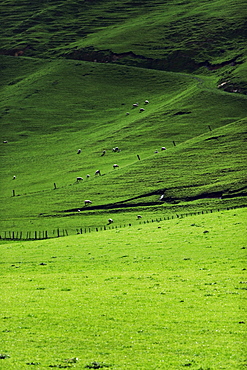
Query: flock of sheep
[(115, 150), (97, 172)]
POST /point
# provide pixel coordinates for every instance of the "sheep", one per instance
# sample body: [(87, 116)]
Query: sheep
[(139, 217), (110, 221), (135, 105), (142, 110), (78, 151), (87, 201), (146, 102), (115, 166), (88, 176), (14, 177), (103, 153), (79, 179), (156, 151), (127, 113), (162, 197), (5, 142), (116, 150), (222, 84), (97, 172), (163, 148)]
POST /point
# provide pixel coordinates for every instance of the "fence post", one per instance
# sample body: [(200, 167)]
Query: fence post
[(138, 157), (174, 143), (58, 233), (13, 193)]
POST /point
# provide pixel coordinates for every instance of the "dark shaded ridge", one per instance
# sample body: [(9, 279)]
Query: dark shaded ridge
[(242, 192), (175, 61)]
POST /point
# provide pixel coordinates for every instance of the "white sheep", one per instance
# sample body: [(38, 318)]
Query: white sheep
[(115, 166), (110, 221), (146, 102), (139, 217), (116, 149), (14, 177), (127, 113), (88, 176), (5, 142), (87, 201), (97, 172), (135, 105), (142, 110), (163, 148), (79, 179), (103, 153), (156, 151), (78, 151), (162, 197)]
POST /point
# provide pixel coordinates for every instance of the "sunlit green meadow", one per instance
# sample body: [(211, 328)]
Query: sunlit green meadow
[(157, 296)]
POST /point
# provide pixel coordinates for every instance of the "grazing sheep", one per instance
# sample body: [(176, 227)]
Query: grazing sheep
[(78, 210), (135, 105), (110, 221), (115, 166), (87, 201), (88, 176), (162, 197), (97, 172), (5, 142), (14, 177), (146, 102), (127, 113), (156, 151), (78, 151), (222, 84), (163, 148), (79, 179), (139, 217), (116, 150), (142, 110), (103, 153)]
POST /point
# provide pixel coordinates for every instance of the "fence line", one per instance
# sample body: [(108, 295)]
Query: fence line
[(41, 235)]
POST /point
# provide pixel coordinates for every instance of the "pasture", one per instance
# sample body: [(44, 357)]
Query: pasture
[(164, 295), (163, 286), (52, 108)]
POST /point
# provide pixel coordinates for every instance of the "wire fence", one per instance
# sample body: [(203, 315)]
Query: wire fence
[(61, 232)]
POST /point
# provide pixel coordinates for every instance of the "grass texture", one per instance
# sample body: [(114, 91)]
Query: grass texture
[(51, 108), (166, 295)]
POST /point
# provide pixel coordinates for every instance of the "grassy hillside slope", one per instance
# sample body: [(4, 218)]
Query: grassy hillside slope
[(51, 108), (172, 35)]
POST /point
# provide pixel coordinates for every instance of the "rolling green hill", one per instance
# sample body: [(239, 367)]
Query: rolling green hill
[(52, 105), (165, 82)]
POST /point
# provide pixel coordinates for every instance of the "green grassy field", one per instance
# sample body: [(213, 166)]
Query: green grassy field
[(164, 291), (161, 296), (51, 107), (55, 107)]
